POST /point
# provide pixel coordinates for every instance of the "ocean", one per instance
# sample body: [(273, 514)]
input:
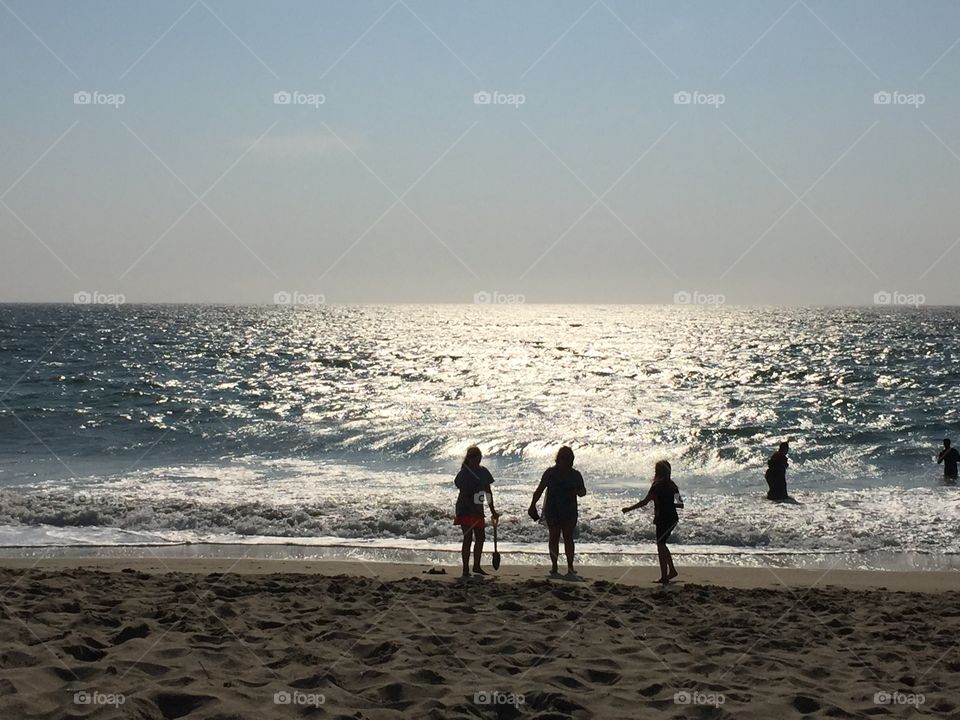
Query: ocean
[(337, 431)]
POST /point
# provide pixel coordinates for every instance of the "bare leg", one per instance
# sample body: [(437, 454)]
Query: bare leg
[(673, 570), (465, 550), (479, 536), (554, 546), (663, 556), (568, 546)]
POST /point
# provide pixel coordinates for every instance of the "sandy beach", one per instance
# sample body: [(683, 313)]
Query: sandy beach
[(115, 638)]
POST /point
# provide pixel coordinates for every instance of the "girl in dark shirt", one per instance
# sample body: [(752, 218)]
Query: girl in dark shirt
[(666, 499), (563, 485), (473, 481)]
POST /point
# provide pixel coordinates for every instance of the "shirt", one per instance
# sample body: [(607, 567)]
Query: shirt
[(777, 466), (664, 510), (472, 484), (950, 458), (563, 488)]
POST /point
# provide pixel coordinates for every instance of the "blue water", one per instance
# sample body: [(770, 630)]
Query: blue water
[(168, 424)]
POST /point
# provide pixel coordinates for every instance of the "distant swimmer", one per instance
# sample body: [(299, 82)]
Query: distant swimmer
[(666, 499), (776, 474), (949, 457), (563, 485), (473, 481)]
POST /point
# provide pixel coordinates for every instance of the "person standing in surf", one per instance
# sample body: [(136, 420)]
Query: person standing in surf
[(474, 482), (665, 496), (776, 475), (563, 485), (949, 457)]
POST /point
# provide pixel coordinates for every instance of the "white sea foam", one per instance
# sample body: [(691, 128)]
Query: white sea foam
[(309, 503)]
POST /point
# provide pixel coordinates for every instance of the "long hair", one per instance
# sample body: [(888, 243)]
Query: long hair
[(661, 471), (565, 457), (472, 452)]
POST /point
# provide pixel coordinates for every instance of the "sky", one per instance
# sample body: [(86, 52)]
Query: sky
[(779, 151)]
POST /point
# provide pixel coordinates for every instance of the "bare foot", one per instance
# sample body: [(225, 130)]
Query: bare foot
[(479, 571), (672, 575), (663, 580)]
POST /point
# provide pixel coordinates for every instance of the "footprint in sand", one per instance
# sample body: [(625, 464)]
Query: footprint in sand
[(84, 653), (130, 632), (176, 705), (805, 705), (378, 654)]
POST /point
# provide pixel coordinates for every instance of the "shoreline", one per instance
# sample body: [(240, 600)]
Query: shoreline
[(640, 576), (513, 554)]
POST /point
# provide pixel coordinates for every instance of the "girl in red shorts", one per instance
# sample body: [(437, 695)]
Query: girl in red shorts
[(474, 483)]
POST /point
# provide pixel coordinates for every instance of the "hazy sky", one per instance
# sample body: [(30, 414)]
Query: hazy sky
[(782, 181)]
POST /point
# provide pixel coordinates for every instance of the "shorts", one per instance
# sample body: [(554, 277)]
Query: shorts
[(555, 516), (472, 522)]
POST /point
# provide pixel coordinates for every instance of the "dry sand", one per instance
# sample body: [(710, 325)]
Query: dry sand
[(262, 639)]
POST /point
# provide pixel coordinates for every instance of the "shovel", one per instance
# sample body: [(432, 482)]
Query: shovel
[(496, 554)]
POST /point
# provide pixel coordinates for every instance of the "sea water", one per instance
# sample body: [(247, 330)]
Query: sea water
[(338, 430)]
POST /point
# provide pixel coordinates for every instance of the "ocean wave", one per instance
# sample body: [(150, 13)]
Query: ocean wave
[(875, 519)]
